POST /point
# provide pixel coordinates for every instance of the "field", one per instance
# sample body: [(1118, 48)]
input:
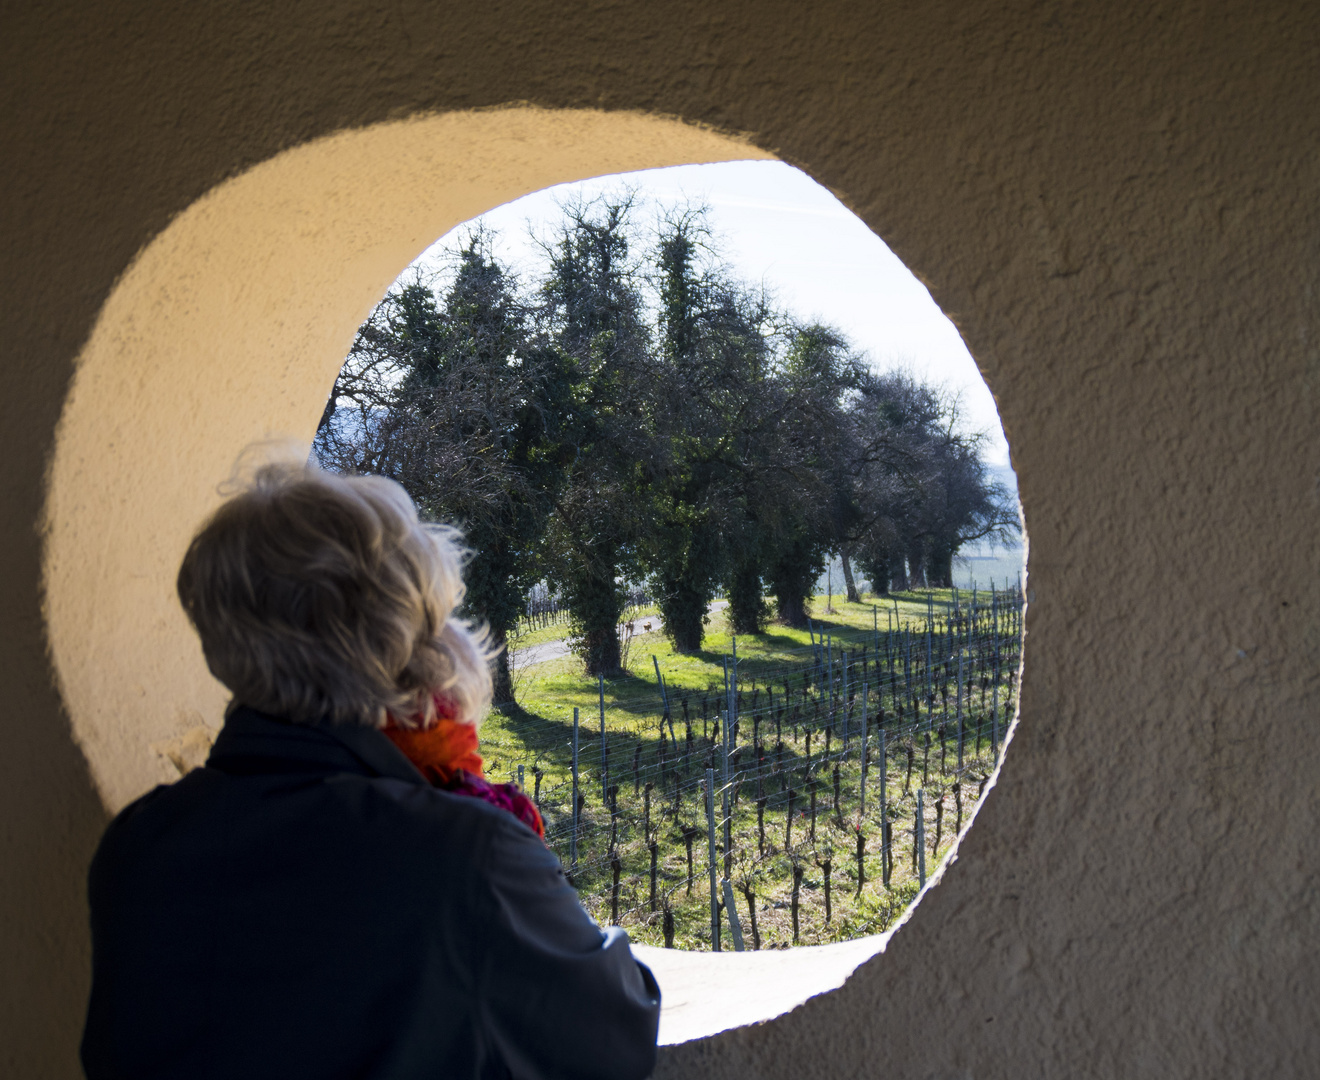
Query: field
[(821, 717)]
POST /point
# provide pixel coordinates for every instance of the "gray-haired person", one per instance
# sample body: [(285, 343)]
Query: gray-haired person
[(339, 892)]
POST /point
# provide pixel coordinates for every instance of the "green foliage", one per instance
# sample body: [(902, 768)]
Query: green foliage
[(450, 397), (748, 610), (686, 549), (591, 316), (637, 414), (797, 562)]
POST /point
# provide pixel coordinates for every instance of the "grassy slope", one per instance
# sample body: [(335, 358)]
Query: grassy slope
[(537, 734)]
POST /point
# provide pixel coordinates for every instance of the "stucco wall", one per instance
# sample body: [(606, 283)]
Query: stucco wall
[(1116, 204)]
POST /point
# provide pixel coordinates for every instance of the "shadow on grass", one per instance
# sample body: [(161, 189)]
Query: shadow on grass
[(551, 739), (791, 750)]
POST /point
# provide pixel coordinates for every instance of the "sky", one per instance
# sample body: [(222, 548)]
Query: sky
[(778, 228)]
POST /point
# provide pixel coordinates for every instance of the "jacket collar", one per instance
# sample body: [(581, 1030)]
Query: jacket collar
[(249, 735)]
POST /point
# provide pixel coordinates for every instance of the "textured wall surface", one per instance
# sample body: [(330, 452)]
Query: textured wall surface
[(232, 325), (1116, 204)]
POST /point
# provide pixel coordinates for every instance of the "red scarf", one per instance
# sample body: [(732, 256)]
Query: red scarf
[(446, 754)]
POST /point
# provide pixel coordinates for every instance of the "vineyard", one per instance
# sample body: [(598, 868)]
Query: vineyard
[(544, 609), (796, 790)]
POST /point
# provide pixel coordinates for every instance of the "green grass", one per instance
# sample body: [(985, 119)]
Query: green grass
[(537, 733), (525, 639)]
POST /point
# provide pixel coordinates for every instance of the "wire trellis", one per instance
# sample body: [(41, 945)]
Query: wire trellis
[(856, 758)]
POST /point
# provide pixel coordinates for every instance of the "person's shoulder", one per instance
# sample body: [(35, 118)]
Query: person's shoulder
[(425, 808), (154, 817), (490, 834), (164, 800), (475, 851)]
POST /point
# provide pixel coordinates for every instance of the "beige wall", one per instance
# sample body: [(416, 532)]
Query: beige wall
[(231, 326), (1115, 202)]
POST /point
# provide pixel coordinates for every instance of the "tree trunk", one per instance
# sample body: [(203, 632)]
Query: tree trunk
[(600, 651), (898, 578), (853, 597), (791, 609), (501, 674), (792, 576), (916, 566), (595, 605), (877, 564), (940, 562), (684, 611), (746, 599)]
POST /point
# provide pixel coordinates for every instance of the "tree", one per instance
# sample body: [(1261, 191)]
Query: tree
[(713, 353), (889, 423), (960, 505), (616, 424), (453, 402), (592, 320), (804, 463), (921, 488)]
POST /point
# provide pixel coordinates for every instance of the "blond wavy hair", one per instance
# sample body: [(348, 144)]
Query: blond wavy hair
[(321, 597)]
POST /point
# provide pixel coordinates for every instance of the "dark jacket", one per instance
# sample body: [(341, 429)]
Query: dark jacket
[(308, 906)]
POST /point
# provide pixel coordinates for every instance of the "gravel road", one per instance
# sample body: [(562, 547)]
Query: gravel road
[(553, 650)]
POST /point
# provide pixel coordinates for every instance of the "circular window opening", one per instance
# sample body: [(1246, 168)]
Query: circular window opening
[(743, 528)]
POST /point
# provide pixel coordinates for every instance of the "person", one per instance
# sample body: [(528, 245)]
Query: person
[(340, 892)]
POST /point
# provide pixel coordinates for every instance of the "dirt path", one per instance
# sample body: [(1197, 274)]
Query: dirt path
[(553, 650)]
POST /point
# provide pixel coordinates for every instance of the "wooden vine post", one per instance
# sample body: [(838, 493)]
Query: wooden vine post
[(604, 749), (861, 862), (994, 708), (689, 834), (866, 759), (939, 827), (613, 795), (847, 703), (960, 710), (788, 821), (884, 810), (577, 803), (725, 793), (655, 856), (731, 909), (794, 902), (616, 865), (760, 826), (919, 838), (710, 844)]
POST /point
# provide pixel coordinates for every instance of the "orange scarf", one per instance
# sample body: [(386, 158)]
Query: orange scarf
[(446, 754), (442, 750)]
